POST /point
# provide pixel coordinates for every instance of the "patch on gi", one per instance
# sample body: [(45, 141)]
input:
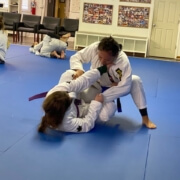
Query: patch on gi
[(119, 72), (79, 128)]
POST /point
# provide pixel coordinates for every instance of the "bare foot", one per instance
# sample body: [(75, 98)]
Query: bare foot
[(148, 123), (62, 54), (66, 35), (55, 54)]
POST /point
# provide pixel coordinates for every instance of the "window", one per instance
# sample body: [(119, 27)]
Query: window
[(25, 4), (5, 2)]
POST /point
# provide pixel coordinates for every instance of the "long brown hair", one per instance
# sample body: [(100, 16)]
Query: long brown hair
[(54, 106)]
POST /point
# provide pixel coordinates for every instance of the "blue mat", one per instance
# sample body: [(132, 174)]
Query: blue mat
[(118, 149), (72, 156), (164, 159)]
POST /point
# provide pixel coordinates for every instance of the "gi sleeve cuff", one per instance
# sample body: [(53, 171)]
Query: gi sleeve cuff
[(102, 69)]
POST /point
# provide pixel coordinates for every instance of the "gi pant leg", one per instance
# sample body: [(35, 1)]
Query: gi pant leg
[(137, 92)]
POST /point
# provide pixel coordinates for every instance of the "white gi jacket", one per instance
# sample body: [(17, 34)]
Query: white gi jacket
[(88, 113), (3, 44), (120, 72), (45, 47)]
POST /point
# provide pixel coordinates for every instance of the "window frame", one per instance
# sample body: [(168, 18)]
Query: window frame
[(5, 2), (6, 5), (28, 6)]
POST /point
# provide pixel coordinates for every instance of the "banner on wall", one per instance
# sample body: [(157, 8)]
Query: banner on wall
[(136, 1), (136, 17), (97, 13)]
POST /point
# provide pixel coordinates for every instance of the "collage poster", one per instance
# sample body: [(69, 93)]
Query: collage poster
[(137, 1), (136, 17), (97, 13)]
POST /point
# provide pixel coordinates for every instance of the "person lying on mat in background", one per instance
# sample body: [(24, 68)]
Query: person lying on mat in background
[(109, 51), (3, 41), (52, 45), (65, 113)]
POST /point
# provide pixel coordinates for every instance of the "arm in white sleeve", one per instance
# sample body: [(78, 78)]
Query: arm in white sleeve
[(80, 84), (114, 92), (83, 124), (31, 49), (38, 47), (123, 87), (83, 56), (83, 82)]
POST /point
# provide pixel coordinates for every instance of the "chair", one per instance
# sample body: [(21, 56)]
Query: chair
[(49, 24), (10, 20), (69, 26), (29, 24)]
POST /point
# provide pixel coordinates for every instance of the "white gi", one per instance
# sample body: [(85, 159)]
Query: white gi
[(45, 47), (121, 73), (88, 113), (3, 44)]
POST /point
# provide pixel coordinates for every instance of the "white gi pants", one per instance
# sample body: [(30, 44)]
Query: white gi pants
[(108, 110), (137, 92), (3, 45)]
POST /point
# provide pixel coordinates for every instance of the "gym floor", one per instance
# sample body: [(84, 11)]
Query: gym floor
[(119, 149)]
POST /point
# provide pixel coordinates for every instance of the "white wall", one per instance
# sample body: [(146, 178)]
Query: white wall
[(114, 28), (40, 8), (178, 43), (73, 7)]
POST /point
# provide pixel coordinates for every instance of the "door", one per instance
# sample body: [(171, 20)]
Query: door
[(51, 8), (60, 9), (165, 28)]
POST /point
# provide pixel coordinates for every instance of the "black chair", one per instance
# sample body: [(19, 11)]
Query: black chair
[(28, 24), (49, 25), (10, 20), (69, 26)]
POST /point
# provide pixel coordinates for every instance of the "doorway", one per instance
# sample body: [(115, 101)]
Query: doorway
[(165, 28), (60, 9), (50, 8)]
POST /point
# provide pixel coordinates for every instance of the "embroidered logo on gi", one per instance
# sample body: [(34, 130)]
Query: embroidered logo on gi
[(119, 72), (79, 128)]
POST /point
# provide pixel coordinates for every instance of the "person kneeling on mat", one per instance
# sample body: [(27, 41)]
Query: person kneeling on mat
[(52, 45)]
